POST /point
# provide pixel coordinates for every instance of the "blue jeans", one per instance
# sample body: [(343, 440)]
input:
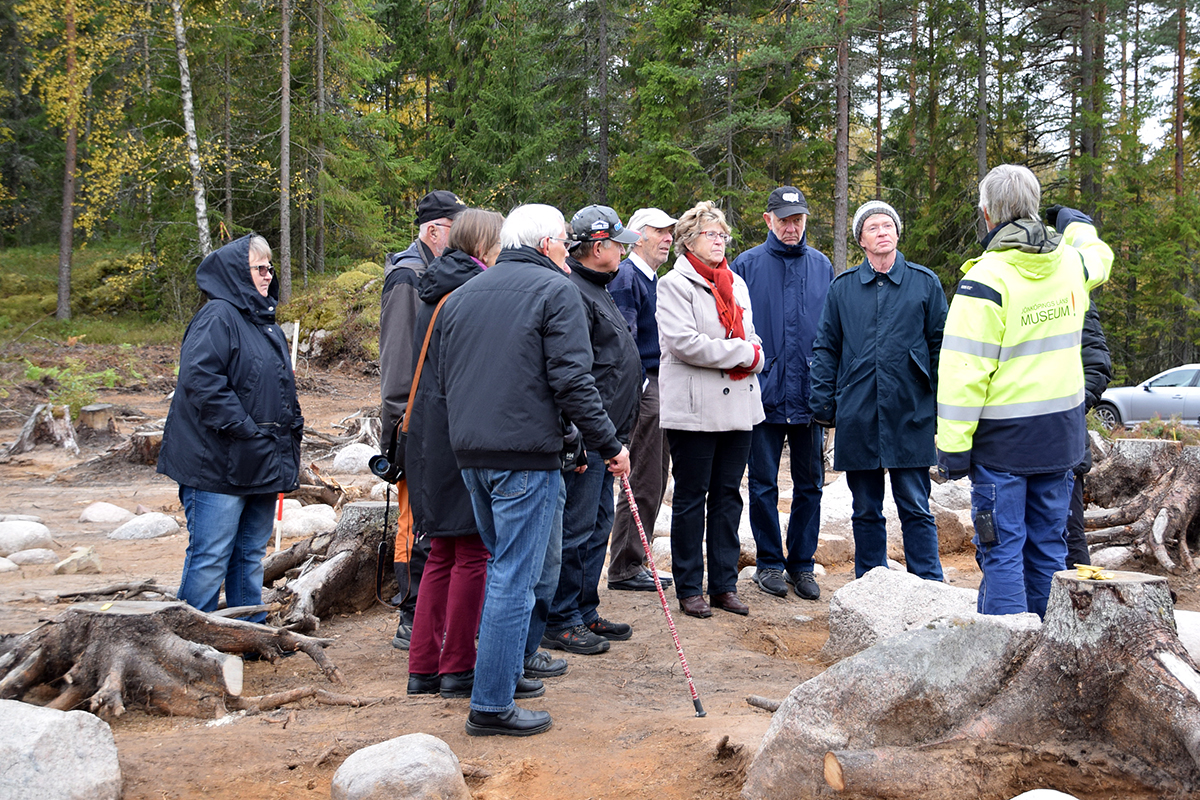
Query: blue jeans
[(227, 539), (1029, 514), (910, 490), (808, 476), (708, 468), (515, 512), (547, 585), (587, 521)]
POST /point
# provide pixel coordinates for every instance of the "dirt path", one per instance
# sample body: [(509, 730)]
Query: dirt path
[(624, 725)]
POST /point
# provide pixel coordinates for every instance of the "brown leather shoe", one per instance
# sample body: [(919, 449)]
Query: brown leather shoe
[(729, 602), (695, 606)]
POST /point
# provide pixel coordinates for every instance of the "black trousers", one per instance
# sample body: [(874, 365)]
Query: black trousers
[(1077, 549), (708, 469)]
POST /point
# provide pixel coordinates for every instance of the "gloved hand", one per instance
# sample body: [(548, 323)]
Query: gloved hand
[(1062, 216), (951, 475)]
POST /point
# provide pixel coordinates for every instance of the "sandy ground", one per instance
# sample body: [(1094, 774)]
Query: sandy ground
[(624, 724)]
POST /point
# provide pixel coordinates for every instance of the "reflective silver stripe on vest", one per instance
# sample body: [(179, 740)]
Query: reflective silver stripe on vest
[(1062, 341), (972, 347), (1012, 411)]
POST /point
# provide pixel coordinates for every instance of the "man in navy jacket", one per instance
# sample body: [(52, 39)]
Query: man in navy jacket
[(788, 281)]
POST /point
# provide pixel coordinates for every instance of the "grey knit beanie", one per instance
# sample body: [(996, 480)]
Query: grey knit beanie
[(873, 207)]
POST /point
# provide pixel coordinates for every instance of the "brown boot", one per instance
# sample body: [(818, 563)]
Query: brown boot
[(728, 601), (695, 606)]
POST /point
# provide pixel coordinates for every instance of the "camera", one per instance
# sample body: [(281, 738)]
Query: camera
[(381, 467)]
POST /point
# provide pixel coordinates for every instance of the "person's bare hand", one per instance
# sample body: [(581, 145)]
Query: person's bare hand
[(619, 464)]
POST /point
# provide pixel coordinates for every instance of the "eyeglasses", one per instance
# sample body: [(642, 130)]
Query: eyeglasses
[(263, 271), (441, 225), (716, 236), (565, 242)]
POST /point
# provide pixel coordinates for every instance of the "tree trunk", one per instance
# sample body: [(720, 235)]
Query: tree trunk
[(319, 222), (1180, 78), (1108, 696), (841, 146), (602, 102), (49, 424), (66, 229), (227, 120), (189, 127), (164, 656), (285, 160)]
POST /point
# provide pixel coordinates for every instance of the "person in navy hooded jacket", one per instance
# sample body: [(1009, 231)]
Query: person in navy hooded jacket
[(232, 437), (788, 281)]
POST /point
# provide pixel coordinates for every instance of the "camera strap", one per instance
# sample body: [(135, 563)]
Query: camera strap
[(412, 394)]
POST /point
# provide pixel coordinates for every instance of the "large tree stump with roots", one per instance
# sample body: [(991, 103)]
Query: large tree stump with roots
[(343, 577), (50, 424), (1106, 704), (164, 656), (1149, 485)]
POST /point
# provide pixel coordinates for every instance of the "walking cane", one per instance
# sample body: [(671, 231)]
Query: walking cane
[(700, 712)]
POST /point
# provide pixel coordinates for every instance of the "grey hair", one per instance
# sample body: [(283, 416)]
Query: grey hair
[(529, 224), (259, 248), (695, 218), (1009, 192)]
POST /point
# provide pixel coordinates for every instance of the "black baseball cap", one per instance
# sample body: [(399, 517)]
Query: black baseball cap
[(596, 223), (786, 201), (437, 204)]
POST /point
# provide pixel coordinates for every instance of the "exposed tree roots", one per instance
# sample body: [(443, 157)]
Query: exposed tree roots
[(1149, 487), (166, 657)]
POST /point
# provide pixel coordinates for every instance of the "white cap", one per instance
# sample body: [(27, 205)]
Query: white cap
[(654, 217)]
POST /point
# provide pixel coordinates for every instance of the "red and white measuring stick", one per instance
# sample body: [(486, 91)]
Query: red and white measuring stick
[(700, 712)]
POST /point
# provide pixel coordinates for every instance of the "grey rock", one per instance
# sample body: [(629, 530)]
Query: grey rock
[(911, 687), (1046, 794), (307, 521), (417, 766), (83, 561), (18, 535), (148, 526), (885, 602), (38, 555), (106, 513), (1187, 625), (954, 495), (56, 755), (832, 548), (7, 565), (352, 459), (19, 518)]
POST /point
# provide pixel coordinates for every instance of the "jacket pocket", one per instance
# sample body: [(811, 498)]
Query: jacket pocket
[(770, 383), (693, 396), (920, 364), (255, 461)]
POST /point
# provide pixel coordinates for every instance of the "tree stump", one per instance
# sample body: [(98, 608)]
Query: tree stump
[(97, 417), (164, 656), (47, 424), (144, 447), (1107, 699), (345, 580), (1149, 485)]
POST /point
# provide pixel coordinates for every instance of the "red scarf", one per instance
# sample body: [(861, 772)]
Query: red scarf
[(720, 281)]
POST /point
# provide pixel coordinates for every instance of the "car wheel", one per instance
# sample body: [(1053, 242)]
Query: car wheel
[(1108, 415)]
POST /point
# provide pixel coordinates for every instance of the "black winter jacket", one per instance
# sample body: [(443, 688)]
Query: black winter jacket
[(397, 318), (234, 426), (440, 502), (515, 356), (1097, 371), (616, 365)]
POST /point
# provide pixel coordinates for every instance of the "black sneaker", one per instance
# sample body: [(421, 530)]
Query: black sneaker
[(424, 684), (403, 636), (541, 665), (578, 640), (771, 581), (613, 631), (805, 585)]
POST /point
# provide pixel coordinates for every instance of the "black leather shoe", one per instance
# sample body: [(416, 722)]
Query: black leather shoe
[(642, 582), (527, 688), (663, 578), (695, 606), (729, 601), (516, 721), (458, 684), (423, 684)]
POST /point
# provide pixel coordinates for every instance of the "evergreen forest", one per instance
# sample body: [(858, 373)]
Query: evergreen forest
[(173, 125)]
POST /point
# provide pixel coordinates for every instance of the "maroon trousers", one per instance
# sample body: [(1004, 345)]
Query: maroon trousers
[(449, 603)]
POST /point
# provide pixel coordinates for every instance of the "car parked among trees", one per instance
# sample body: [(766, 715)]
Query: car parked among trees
[(1173, 393)]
